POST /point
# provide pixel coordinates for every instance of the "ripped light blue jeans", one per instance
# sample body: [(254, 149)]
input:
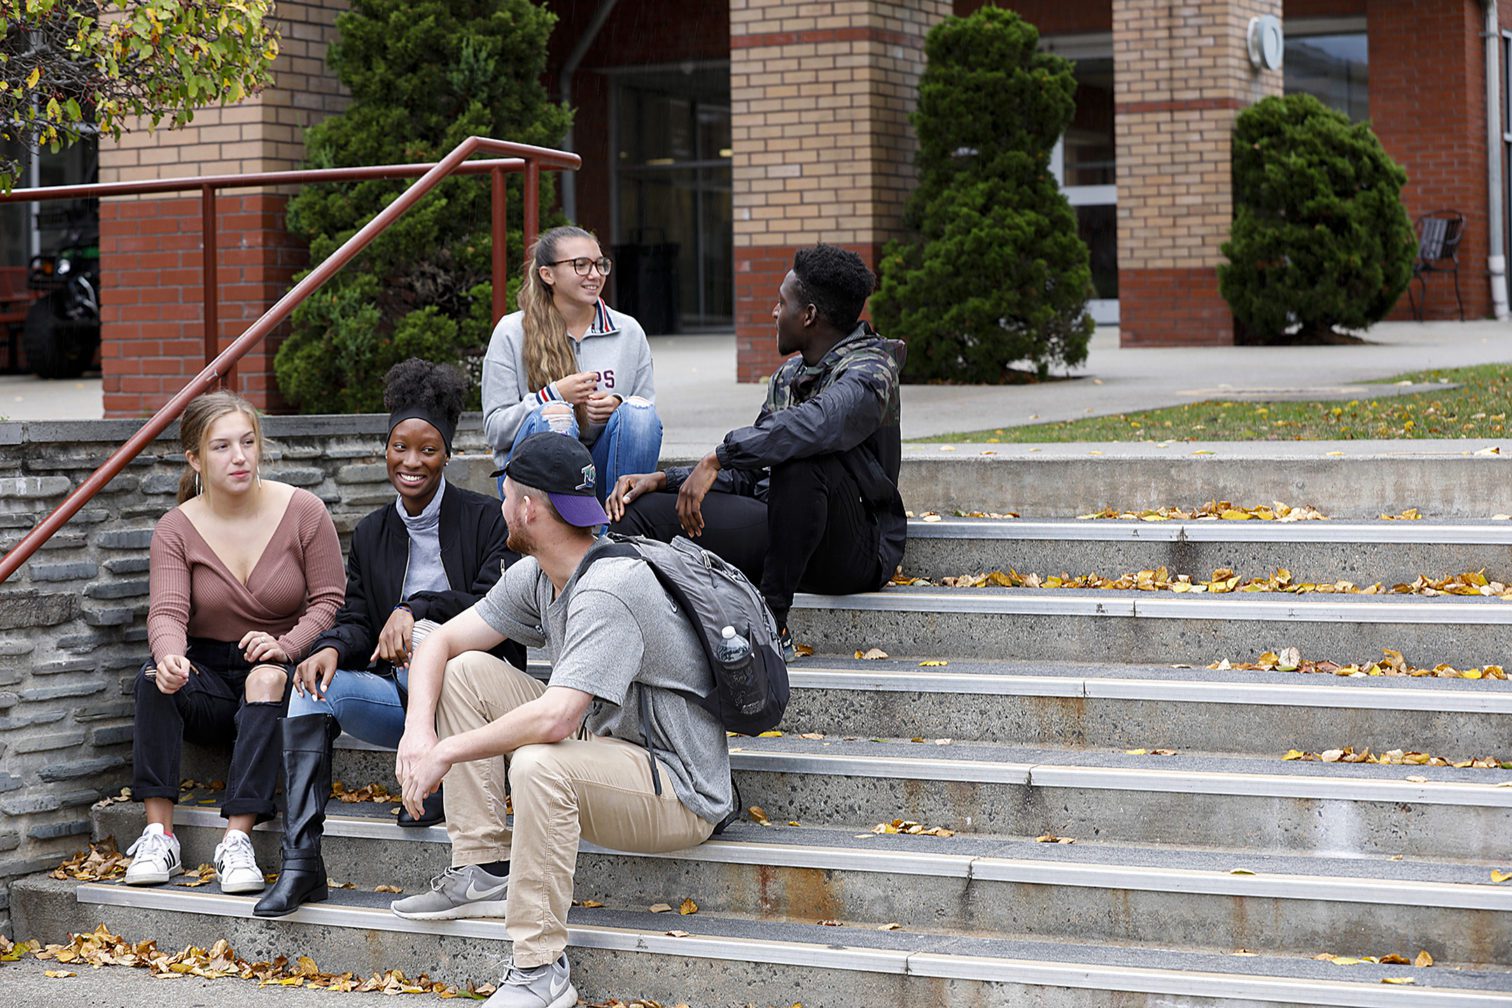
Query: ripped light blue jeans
[(629, 443), (364, 703)]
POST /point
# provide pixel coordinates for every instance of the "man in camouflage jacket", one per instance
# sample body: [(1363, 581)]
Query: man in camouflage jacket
[(807, 496)]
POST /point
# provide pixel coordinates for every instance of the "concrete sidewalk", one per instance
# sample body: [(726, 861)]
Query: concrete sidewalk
[(699, 399)]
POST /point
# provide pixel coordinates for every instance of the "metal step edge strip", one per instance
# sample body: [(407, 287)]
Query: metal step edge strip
[(1229, 607), (1284, 990), (1120, 779), (1402, 533), (1345, 889), (1303, 694)]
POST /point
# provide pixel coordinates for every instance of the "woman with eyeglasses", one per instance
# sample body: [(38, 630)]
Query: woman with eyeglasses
[(565, 362)]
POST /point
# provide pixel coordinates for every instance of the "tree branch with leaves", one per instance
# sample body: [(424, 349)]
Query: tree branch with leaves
[(72, 68)]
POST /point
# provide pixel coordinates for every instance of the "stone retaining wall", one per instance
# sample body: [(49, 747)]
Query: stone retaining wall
[(73, 619)]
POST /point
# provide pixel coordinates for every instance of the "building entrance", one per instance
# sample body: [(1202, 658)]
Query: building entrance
[(673, 231)]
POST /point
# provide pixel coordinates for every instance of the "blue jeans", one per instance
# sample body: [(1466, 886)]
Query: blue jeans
[(363, 703), (629, 443)]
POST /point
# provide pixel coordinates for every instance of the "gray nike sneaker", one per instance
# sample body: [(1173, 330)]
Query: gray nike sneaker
[(468, 891), (548, 986)]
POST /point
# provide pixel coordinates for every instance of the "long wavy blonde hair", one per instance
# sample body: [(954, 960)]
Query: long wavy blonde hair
[(547, 349), (194, 431)]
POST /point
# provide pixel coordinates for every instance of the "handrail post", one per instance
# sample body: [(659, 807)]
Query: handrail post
[(532, 201), (500, 250), (210, 295)]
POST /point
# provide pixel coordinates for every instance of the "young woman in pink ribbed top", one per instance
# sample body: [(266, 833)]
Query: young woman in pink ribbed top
[(246, 573)]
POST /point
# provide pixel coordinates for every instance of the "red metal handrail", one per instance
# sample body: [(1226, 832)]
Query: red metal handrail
[(522, 157)]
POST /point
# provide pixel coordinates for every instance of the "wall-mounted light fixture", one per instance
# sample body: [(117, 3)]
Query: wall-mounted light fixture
[(1266, 41)]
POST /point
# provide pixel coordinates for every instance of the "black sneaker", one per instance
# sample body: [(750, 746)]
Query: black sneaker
[(785, 637)]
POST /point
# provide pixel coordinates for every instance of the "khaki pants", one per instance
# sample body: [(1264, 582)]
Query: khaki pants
[(593, 787)]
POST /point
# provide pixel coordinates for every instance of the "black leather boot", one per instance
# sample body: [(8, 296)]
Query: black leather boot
[(307, 786), (433, 812)]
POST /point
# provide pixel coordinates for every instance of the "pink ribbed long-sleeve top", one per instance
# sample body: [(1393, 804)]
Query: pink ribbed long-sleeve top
[(293, 592)]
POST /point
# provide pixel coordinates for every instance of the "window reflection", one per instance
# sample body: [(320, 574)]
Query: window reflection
[(1335, 69)]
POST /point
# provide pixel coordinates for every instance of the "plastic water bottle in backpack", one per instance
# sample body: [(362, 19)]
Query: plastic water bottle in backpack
[(734, 653)]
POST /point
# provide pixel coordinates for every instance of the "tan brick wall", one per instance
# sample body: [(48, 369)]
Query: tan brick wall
[(263, 133), (1183, 75), (821, 146)]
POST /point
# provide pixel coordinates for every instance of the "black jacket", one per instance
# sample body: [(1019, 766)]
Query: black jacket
[(472, 534), (847, 405)]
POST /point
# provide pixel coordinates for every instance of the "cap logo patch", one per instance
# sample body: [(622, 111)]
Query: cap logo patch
[(590, 477)]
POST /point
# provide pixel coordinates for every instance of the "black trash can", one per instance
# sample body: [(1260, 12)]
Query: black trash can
[(646, 282)]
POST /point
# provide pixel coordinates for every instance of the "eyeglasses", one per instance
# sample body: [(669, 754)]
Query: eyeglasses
[(583, 265)]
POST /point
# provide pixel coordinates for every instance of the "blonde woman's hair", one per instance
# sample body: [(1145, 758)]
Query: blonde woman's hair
[(194, 430), (547, 349)]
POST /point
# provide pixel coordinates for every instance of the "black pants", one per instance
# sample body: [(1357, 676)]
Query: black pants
[(211, 709), (813, 533)]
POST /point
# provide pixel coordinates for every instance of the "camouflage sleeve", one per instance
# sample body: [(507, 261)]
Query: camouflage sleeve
[(837, 419)]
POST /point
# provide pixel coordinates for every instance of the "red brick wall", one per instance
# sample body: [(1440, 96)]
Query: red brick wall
[(153, 305), (1173, 307), (758, 273), (1052, 17), (1323, 8), (1428, 55)]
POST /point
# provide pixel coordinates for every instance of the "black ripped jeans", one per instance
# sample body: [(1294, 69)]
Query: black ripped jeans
[(211, 709), (813, 533)]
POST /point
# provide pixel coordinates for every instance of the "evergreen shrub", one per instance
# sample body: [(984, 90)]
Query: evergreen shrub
[(992, 271), (423, 76), (1321, 240)]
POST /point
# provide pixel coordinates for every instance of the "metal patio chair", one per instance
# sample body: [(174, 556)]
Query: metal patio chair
[(1439, 235)]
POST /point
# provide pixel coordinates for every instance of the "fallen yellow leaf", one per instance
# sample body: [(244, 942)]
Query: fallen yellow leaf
[(1500, 876), (1401, 980), (660, 908), (58, 974), (1423, 960), (688, 907)]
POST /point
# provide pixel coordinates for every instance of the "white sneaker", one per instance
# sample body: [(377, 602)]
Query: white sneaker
[(236, 864), (156, 857)]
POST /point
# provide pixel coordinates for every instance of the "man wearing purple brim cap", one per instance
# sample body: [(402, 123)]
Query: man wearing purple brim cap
[(626, 668)]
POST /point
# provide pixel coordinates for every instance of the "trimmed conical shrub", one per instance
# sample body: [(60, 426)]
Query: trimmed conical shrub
[(1321, 240), (993, 271), (423, 76)]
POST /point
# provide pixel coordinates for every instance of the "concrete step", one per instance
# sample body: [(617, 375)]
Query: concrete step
[(1343, 479), (615, 952), (1390, 552), (1241, 803), (1070, 704), (1149, 627), (1158, 897), (1066, 704), (1234, 803)]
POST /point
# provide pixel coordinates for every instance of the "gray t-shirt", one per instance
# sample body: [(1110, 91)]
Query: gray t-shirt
[(614, 633)]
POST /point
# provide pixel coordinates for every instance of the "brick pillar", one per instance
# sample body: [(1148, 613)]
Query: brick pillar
[(822, 150), (150, 247), (1428, 54), (1183, 76)]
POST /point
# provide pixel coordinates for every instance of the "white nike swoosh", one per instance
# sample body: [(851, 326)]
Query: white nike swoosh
[(474, 893), (557, 988)]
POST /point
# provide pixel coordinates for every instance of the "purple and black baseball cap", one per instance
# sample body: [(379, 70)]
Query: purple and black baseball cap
[(561, 466)]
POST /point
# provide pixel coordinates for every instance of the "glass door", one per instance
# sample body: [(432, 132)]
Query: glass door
[(1084, 164), (673, 227)]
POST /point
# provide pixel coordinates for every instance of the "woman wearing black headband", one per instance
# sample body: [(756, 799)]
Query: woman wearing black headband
[(413, 565)]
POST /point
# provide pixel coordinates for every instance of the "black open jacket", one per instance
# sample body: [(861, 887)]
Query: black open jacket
[(472, 534)]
